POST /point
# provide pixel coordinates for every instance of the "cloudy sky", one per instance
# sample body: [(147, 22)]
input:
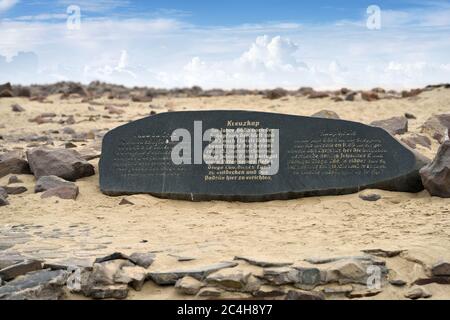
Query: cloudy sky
[(228, 44)]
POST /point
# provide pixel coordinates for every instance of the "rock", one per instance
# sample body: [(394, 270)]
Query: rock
[(318, 95), (229, 280), (70, 120), (118, 291), (369, 96), (70, 145), (114, 256), (417, 139), (15, 190), (3, 196), (383, 253), (69, 131), (171, 277), (17, 108), (9, 259), (268, 292), (304, 295), (13, 163), (365, 258), (69, 264), (105, 273), (132, 275), (327, 114), (398, 283), (418, 293), (6, 90), (436, 175), (280, 276), (124, 202), (50, 182), (304, 91), (308, 278), (39, 285), (347, 271), (337, 290), (43, 119), (189, 286), (437, 127), (210, 292), (363, 294), (410, 116), (19, 269), (441, 269), (262, 263), (14, 179), (411, 93), (143, 260), (63, 163), (350, 97), (114, 110), (276, 94), (372, 197), (396, 125), (3, 193), (439, 280), (65, 193)]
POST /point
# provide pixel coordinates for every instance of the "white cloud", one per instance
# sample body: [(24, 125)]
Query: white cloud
[(7, 4)]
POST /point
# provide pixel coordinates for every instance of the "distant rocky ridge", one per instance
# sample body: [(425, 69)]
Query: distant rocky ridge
[(98, 89)]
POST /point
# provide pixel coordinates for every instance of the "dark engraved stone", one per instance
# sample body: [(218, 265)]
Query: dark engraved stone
[(176, 155)]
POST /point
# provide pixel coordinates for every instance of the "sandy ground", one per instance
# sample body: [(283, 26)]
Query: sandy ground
[(215, 231)]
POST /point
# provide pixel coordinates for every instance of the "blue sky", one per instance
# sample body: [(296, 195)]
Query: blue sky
[(227, 44)]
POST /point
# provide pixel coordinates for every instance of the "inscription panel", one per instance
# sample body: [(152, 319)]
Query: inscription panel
[(251, 156)]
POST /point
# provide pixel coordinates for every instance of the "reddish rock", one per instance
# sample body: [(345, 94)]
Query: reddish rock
[(65, 193), (64, 163), (436, 175), (369, 96)]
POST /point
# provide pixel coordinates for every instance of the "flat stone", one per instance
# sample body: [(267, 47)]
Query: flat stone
[(304, 295), (417, 139), (269, 292), (118, 291), (63, 163), (444, 280), (383, 253), (9, 259), (50, 182), (335, 259), (13, 163), (210, 293), (114, 256), (396, 125), (418, 293), (410, 116), (398, 283), (14, 180), (143, 260), (65, 193), (200, 273), (234, 280), (69, 264), (436, 175), (363, 294), (280, 276), (371, 197), (19, 269), (338, 290), (284, 177), (39, 285), (263, 263), (125, 202), (189, 286), (441, 268), (15, 190), (347, 271)]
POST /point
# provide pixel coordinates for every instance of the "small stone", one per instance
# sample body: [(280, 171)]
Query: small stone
[(65, 193), (210, 292), (398, 283), (70, 120), (3, 196), (17, 108), (304, 295), (15, 190), (363, 294), (371, 197), (69, 131), (143, 260), (19, 269), (280, 276), (132, 275), (13, 163), (337, 290), (114, 256), (268, 292), (231, 280), (418, 293), (370, 96), (118, 291), (396, 125), (50, 182), (14, 179), (124, 202), (410, 116), (70, 145), (189, 286), (383, 253), (441, 269), (326, 114)]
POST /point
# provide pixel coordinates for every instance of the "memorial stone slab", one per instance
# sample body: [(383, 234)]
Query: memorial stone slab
[(253, 156)]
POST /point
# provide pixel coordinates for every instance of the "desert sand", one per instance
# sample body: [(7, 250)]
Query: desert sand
[(95, 224)]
